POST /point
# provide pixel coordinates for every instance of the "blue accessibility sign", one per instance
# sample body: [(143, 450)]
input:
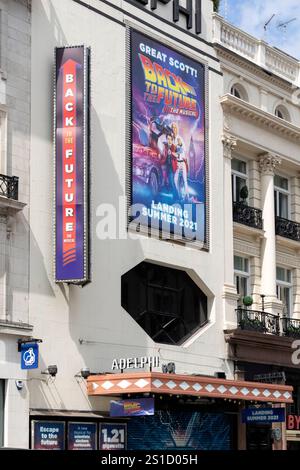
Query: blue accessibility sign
[(29, 356)]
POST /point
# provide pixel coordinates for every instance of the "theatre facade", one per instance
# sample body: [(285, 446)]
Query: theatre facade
[(131, 249)]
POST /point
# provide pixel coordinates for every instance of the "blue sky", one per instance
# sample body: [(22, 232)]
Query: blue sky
[(251, 15)]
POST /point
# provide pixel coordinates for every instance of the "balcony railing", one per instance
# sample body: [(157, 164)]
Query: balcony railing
[(255, 50), (255, 320), (247, 215), (287, 228), (291, 327), (264, 322), (9, 186)]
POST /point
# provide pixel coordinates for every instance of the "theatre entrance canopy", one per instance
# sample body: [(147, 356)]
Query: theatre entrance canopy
[(188, 385)]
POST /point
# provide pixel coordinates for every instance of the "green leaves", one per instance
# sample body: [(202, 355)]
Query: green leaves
[(247, 301)]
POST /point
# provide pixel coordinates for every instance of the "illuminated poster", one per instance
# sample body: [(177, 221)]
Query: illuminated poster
[(82, 436), (48, 435), (71, 160), (167, 140), (133, 407), (112, 436), (181, 430)]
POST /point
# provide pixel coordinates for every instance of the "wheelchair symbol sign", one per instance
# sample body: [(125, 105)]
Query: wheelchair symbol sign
[(29, 356)]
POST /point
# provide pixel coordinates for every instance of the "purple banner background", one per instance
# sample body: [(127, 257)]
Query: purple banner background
[(74, 271)]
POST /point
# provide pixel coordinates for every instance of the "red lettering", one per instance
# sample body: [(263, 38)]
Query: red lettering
[(290, 422), (69, 163)]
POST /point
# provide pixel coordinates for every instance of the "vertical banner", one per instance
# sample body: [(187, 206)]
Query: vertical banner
[(168, 140), (71, 164)]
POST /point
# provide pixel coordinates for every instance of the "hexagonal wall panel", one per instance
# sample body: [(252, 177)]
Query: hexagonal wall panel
[(164, 301)]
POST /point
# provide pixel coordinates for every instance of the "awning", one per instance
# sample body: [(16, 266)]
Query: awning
[(192, 385), (67, 413)]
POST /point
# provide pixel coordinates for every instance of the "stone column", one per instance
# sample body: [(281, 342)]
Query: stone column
[(296, 292), (254, 184), (229, 294), (264, 95), (255, 281), (268, 163), (295, 198)]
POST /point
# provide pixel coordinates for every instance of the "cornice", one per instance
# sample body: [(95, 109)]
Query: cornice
[(254, 69), (241, 229), (283, 242), (260, 117)]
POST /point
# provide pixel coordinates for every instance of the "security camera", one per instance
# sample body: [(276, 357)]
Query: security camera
[(52, 370), (19, 384), (85, 372)]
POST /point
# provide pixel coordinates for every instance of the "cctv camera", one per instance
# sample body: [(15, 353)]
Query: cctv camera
[(85, 372), (52, 370), (19, 384)]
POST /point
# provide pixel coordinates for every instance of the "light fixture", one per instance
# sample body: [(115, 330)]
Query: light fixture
[(51, 370), (168, 368), (84, 373)]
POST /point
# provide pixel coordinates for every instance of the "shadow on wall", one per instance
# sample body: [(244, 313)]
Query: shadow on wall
[(93, 312)]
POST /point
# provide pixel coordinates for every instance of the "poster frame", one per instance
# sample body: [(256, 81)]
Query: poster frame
[(146, 229), (86, 167)]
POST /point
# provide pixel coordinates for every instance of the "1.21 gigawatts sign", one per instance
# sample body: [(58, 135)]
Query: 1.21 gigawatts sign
[(173, 10), (71, 164)]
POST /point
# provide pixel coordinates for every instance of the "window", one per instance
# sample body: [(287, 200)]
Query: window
[(241, 277), (239, 91), (235, 92), (239, 179), (282, 113), (284, 289), (282, 197), (165, 302)]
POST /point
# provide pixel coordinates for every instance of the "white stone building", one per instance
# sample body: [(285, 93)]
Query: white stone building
[(260, 102), (15, 30), (252, 124)]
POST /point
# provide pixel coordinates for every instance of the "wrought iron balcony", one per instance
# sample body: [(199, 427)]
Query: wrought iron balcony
[(9, 186), (255, 320), (247, 215), (287, 228), (290, 327)]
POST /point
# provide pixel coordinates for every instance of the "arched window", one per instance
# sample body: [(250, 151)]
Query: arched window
[(282, 113), (239, 91)]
